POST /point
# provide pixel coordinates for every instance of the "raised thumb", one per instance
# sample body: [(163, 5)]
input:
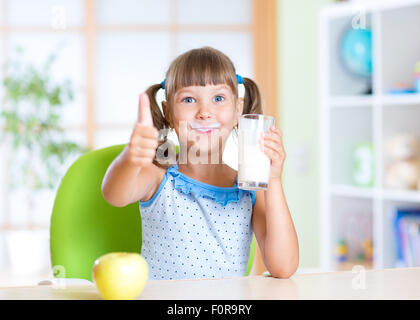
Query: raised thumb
[(145, 114)]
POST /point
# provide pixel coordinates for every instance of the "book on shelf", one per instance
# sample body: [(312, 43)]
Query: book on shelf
[(407, 228)]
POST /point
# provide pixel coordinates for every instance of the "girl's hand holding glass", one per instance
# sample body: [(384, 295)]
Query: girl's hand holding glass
[(272, 145)]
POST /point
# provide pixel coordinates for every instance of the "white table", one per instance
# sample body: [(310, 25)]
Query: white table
[(401, 283)]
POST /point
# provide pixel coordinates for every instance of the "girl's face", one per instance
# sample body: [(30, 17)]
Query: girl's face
[(204, 115)]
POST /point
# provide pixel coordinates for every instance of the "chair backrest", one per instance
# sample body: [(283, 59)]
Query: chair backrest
[(85, 226)]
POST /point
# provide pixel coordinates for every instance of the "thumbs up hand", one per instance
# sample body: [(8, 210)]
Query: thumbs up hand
[(144, 138)]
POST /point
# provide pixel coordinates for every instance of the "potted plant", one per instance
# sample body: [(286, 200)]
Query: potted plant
[(30, 126)]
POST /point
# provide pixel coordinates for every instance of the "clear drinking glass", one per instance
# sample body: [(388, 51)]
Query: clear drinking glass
[(253, 164)]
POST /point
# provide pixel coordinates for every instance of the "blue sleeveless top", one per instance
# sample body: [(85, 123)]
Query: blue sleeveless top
[(191, 229)]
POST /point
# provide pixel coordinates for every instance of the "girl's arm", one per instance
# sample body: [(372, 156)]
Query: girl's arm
[(120, 185), (125, 183), (271, 219), (275, 232)]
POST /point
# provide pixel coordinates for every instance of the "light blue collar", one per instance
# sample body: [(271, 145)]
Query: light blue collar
[(200, 189)]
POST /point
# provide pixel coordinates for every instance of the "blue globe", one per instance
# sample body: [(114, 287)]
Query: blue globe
[(356, 52)]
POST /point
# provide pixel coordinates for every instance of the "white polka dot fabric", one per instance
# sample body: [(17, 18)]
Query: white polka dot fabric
[(195, 230)]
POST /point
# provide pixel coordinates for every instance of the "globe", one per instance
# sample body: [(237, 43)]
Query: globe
[(356, 52)]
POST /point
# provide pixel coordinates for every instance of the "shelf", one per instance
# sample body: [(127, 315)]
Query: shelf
[(401, 195), (401, 99), (351, 191), (351, 101), (368, 100), (349, 117), (343, 190)]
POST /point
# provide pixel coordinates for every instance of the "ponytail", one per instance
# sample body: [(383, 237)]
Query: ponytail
[(252, 101), (159, 120), (161, 124)]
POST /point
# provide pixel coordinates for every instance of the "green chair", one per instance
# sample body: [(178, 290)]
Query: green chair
[(84, 226)]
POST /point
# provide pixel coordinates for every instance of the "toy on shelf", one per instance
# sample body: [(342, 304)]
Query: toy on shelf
[(402, 88), (402, 151), (363, 165), (354, 238), (341, 251), (356, 54), (368, 250)]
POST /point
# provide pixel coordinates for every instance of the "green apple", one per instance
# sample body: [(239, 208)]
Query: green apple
[(120, 275)]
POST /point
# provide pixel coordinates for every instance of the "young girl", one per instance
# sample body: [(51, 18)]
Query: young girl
[(196, 222)]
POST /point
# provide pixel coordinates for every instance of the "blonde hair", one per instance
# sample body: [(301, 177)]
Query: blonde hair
[(199, 67)]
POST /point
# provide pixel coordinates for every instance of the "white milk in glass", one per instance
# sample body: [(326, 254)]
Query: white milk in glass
[(253, 164)]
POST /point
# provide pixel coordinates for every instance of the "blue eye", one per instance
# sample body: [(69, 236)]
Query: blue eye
[(219, 100), (189, 99)]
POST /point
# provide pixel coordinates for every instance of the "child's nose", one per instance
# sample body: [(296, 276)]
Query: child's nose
[(204, 112)]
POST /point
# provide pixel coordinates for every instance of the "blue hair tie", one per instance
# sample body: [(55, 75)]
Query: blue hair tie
[(239, 79)]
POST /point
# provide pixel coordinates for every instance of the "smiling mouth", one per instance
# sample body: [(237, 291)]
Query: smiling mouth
[(208, 128), (204, 130)]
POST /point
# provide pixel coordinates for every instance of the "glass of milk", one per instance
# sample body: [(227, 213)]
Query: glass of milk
[(253, 164)]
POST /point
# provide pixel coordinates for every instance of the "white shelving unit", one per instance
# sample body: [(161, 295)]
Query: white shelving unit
[(348, 116)]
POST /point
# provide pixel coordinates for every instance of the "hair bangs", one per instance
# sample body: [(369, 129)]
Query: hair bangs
[(200, 67)]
